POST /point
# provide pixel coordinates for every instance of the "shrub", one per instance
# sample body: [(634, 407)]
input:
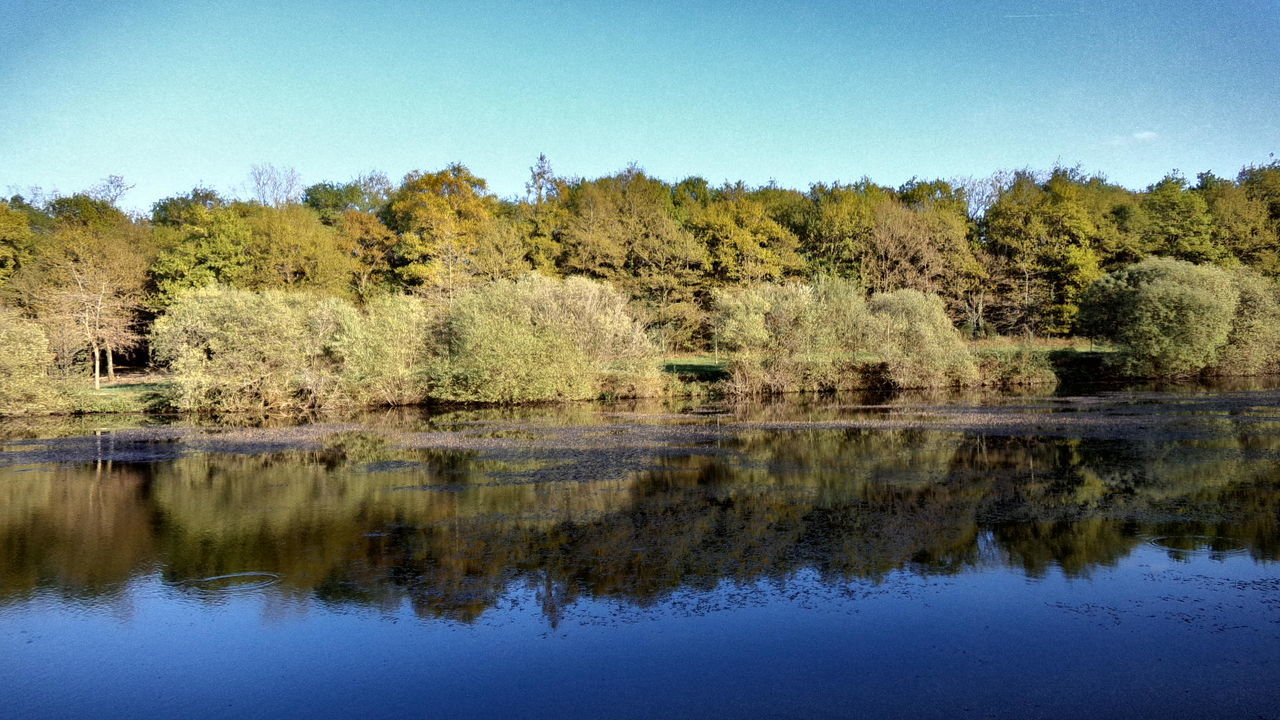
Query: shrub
[(1015, 367), (1170, 317), (792, 337), (384, 352), (1253, 343), (235, 350), (539, 338), (24, 367), (918, 345)]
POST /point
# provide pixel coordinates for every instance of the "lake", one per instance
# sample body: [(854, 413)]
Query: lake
[(1110, 554)]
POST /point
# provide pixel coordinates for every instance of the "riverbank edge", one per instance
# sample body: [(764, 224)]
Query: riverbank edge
[(686, 377)]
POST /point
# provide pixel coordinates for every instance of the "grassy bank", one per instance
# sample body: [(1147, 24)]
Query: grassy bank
[(131, 394)]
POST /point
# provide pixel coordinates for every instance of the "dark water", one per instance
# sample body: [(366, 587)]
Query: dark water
[(1084, 557)]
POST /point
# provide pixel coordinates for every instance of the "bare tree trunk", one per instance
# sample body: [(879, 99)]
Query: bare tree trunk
[(97, 370), (111, 365)]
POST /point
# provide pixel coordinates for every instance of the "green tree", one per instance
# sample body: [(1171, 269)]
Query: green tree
[(16, 240), (844, 216), (367, 193), (1043, 239), (1262, 182), (440, 218), (1177, 222), (289, 247), (212, 246), (86, 211), (331, 200), (543, 212), (189, 209), (791, 209), (622, 229), (86, 284), (1170, 317), (253, 247), (745, 245), (1241, 223), (500, 251)]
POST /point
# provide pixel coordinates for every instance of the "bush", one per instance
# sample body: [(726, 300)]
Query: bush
[(235, 350), (383, 353), (539, 338), (24, 367), (825, 337), (1170, 317), (918, 345), (792, 337), (1253, 343), (1015, 367)]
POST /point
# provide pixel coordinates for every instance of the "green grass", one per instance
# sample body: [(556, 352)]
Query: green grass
[(122, 397), (697, 368)]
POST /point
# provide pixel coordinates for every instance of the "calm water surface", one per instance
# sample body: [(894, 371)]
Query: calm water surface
[(1084, 557)]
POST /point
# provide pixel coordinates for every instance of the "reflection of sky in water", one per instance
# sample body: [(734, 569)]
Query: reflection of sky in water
[(1151, 635), (617, 571)]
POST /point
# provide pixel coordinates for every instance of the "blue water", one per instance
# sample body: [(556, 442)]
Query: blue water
[(833, 573), (1148, 637)]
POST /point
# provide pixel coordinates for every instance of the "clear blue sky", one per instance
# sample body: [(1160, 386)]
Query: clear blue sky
[(173, 94)]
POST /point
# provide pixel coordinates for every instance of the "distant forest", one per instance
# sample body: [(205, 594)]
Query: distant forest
[(1008, 254)]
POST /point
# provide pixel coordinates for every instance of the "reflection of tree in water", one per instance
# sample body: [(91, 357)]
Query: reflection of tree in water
[(361, 524), (78, 531)]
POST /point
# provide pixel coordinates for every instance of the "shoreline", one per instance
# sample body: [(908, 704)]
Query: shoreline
[(625, 428)]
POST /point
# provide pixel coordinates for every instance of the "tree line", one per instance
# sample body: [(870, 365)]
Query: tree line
[(1014, 253)]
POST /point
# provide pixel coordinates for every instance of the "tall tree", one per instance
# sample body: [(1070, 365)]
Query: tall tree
[(745, 245), (16, 240), (86, 285), (1042, 239), (252, 247), (372, 245), (542, 182), (543, 212), (1241, 225), (843, 217), (291, 248), (275, 186), (189, 209), (110, 189), (1177, 222), (1262, 184), (210, 247), (366, 193), (440, 218), (622, 229)]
